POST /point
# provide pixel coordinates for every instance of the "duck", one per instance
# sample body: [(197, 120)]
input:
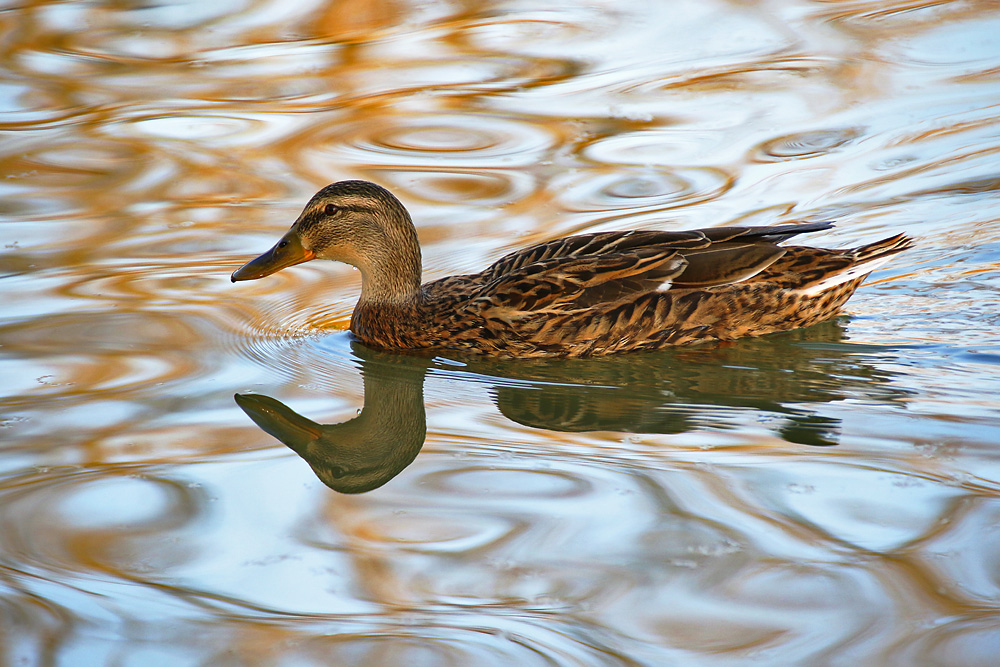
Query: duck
[(578, 296)]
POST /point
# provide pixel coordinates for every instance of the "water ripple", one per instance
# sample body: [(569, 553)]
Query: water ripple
[(493, 188), (660, 147), (441, 532), (642, 190), (192, 127), (508, 483), (448, 141), (802, 145), (763, 73), (78, 519)]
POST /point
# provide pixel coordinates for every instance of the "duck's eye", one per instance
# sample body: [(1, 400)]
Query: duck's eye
[(330, 209), (283, 243)]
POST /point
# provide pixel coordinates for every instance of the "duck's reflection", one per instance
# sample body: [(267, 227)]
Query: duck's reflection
[(775, 381), (366, 452)]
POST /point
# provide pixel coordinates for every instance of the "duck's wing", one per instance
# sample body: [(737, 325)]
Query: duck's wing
[(573, 283), (592, 245), (734, 254), (583, 271)]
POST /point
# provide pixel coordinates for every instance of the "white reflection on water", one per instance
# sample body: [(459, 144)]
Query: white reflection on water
[(667, 508)]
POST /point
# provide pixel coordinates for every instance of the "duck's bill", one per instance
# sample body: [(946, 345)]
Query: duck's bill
[(277, 419), (286, 252)]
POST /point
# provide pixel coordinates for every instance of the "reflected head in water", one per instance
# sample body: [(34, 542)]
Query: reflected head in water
[(587, 295), (366, 452), (780, 381)]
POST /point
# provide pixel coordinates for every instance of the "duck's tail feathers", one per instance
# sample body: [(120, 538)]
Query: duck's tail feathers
[(865, 259), (882, 250)]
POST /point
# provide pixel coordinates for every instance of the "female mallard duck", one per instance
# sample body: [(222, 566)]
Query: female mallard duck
[(582, 295)]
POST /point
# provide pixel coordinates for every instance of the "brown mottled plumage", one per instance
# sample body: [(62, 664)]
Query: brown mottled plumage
[(582, 295)]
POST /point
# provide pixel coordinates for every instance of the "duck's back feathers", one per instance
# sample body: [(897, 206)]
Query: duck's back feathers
[(622, 242), (588, 270), (592, 245), (582, 281)]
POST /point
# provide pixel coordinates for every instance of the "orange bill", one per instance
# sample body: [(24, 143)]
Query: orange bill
[(286, 252)]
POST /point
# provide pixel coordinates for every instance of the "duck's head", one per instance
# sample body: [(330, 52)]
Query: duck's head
[(356, 222)]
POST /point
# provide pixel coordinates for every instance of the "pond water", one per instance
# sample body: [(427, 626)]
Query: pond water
[(827, 496)]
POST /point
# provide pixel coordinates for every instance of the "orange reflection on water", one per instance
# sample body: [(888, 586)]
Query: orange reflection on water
[(645, 510)]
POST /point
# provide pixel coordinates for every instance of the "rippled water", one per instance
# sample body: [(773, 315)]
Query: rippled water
[(828, 496)]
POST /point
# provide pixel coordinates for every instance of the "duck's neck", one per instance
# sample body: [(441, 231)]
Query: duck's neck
[(390, 272), (390, 286), (386, 314)]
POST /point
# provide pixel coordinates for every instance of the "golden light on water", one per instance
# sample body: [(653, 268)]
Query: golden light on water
[(822, 497)]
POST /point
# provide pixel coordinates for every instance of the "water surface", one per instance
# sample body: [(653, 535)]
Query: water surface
[(827, 496)]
